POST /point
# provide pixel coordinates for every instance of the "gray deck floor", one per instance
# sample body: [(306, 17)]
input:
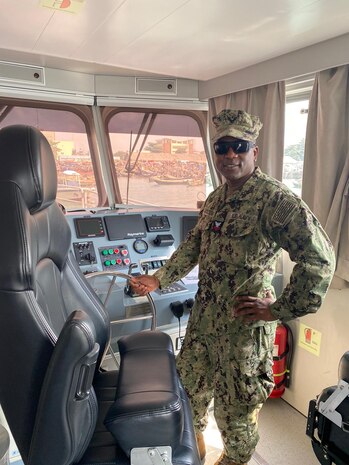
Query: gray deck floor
[(282, 437)]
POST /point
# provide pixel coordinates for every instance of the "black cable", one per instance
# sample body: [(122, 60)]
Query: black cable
[(289, 357), (177, 309)]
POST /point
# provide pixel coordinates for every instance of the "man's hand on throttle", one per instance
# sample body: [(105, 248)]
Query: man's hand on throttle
[(254, 308), (143, 284)]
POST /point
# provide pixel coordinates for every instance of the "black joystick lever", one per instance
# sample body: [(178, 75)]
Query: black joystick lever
[(177, 308), (189, 303)]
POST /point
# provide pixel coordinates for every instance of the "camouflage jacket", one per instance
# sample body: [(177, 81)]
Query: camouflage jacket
[(237, 241)]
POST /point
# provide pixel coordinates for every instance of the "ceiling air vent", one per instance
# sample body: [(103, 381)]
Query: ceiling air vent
[(156, 86), (16, 72)]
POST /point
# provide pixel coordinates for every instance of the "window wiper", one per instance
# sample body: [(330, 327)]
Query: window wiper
[(128, 167)]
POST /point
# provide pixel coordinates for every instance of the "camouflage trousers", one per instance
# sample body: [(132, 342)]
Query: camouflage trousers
[(236, 371)]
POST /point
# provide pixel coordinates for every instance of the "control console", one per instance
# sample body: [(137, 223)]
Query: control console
[(133, 241)]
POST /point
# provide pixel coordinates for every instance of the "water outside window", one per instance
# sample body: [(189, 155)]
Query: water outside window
[(159, 159)]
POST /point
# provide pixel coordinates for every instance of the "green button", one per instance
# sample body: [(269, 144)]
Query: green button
[(111, 251), (113, 262), (104, 252), (107, 263)]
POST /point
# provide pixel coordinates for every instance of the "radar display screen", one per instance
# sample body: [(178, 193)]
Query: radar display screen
[(89, 227), (125, 227)]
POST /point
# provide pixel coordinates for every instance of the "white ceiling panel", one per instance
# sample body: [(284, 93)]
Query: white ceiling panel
[(208, 43), (68, 32), (132, 21), (195, 39), (22, 23)]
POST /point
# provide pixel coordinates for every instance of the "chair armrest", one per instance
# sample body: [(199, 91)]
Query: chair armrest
[(148, 409), (66, 414)]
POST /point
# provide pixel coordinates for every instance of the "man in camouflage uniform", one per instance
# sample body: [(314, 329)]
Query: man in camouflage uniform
[(242, 227)]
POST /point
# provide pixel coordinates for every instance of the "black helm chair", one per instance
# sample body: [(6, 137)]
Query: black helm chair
[(328, 420), (62, 408)]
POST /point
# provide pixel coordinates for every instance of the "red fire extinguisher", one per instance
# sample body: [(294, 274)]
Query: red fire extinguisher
[(282, 355)]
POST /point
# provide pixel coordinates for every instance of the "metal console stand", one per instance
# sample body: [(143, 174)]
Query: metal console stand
[(151, 316)]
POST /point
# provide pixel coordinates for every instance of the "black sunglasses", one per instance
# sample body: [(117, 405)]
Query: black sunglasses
[(237, 146)]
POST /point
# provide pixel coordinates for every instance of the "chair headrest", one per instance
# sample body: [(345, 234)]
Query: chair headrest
[(27, 160)]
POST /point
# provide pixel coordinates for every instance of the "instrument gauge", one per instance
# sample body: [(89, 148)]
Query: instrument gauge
[(140, 246)]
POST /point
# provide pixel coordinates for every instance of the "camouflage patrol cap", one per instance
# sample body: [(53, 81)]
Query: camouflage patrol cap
[(236, 123)]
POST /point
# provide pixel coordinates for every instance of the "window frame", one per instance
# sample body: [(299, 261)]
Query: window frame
[(84, 112), (109, 112), (297, 90)]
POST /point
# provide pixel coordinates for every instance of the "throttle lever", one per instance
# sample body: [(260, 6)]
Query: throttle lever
[(130, 268), (128, 289)]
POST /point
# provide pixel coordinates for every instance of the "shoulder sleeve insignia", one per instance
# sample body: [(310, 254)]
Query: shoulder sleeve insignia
[(284, 212)]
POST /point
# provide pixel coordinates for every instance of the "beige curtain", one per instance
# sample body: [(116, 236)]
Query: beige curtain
[(267, 102), (326, 160)]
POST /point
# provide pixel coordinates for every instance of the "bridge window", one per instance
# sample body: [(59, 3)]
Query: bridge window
[(159, 159), (298, 92), (295, 127), (67, 135)]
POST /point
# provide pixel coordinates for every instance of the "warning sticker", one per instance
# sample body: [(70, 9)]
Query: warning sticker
[(309, 339), (71, 6), (276, 350)]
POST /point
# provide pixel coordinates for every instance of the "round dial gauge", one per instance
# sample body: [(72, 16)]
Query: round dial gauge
[(140, 246)]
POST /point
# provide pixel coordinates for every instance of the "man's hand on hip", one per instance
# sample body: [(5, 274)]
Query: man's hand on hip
[(254, 308)]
